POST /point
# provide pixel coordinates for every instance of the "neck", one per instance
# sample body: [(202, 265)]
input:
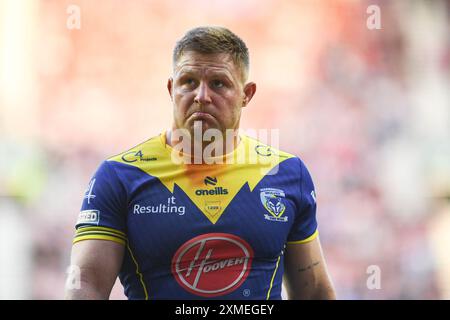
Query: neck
[(200, 146)]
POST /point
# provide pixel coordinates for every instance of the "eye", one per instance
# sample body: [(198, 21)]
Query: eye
[(189, 81), (217, 84)]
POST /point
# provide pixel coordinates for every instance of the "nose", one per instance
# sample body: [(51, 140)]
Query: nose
[(202, 96)]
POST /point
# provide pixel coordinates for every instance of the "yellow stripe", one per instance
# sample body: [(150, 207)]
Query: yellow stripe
[(244, 157), (141, 278), (81, 229), (273, 277), (310, 238), (106, 233), (98, 237)]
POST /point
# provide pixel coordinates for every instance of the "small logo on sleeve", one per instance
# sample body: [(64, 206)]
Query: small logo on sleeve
[(89, 217), (313, 195), (89, 193)]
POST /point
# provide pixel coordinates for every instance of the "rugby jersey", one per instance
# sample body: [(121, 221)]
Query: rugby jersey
[(198, 231)]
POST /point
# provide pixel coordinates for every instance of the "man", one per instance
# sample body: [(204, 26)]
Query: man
[(193, 229)]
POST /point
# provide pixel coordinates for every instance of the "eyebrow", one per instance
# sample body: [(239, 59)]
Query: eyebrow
[(190, 70)]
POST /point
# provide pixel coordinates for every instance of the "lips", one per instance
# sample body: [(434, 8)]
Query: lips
[(199, 115)]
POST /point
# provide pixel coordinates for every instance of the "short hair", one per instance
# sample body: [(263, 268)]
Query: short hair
[(214, 40)]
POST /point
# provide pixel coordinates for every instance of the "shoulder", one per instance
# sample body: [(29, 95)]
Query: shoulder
[(143, 152), (263, 150)]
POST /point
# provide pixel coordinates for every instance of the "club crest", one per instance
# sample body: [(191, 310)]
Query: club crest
[(273, 200)]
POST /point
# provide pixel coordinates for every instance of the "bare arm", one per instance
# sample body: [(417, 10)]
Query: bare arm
[(306, 275), (98, 263)]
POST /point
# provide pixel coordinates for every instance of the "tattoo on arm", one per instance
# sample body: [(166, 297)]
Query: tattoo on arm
[(308, 267)]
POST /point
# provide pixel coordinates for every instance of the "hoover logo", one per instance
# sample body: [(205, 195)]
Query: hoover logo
[(212, 264)]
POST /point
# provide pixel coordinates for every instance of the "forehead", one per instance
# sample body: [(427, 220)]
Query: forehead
[(193, 61)]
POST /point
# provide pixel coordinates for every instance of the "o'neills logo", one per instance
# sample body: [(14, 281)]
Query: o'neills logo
[(215, 191), (212, 264)]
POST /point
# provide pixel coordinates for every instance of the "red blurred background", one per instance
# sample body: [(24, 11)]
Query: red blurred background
[(367, 110)]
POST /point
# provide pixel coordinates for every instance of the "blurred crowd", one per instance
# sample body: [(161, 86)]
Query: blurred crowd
[(368, 111)]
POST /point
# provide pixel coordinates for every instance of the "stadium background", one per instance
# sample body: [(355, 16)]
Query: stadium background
[(367, 110)]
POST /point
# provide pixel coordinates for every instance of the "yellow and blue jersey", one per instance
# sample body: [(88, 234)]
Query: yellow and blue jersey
[(196, 231)]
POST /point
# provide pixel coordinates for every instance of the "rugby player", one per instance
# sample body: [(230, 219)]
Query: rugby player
[(198, 230)]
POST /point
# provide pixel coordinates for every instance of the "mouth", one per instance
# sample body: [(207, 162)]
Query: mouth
[(198, 115)]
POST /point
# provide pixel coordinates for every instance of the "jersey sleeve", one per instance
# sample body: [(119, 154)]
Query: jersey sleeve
[(304, 228), (103, 210)]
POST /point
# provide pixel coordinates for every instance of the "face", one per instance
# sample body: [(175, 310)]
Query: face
[(208, 89)]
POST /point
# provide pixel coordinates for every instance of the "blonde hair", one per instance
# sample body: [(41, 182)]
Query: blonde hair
[(214, 40)]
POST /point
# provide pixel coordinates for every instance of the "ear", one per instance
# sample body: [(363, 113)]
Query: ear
[(169, 87), (249, 91)]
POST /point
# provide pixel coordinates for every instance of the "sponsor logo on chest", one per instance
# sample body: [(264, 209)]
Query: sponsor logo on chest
[(216, 191), (169, 207), (212, 264)]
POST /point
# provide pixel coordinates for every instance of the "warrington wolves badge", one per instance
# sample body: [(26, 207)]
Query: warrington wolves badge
[(272, 199)]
